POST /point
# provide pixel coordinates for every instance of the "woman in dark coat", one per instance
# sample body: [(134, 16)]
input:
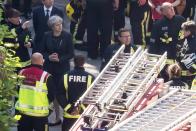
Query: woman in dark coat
[(57, 48), (57, 51)]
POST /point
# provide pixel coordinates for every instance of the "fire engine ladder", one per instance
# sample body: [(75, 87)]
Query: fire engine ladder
[(118, 101), (112, 72), (109, 75), (163, 114)]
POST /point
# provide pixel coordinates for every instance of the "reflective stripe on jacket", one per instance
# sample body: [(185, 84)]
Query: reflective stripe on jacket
[(33, 100), (74, 112), (193, 87)]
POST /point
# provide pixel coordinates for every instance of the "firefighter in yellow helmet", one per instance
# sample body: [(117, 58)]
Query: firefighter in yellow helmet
[(76, 12), (35, 93)]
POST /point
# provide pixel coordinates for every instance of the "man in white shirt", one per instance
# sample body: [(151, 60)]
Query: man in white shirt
[(40, 19)]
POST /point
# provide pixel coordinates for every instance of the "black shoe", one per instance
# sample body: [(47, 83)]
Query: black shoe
[(55, 124)]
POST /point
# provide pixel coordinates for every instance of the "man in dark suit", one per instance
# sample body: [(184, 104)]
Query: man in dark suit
[(40, 19)]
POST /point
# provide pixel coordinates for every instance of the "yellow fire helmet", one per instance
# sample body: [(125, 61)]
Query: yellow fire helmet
[(69, 11)]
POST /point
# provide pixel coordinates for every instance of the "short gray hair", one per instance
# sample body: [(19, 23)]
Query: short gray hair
[(53, 20)]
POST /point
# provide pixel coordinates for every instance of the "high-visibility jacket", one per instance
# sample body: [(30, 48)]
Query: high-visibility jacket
[(33, 100)]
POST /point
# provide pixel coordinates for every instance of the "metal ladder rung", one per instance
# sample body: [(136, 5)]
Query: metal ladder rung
[(130, 91), (114, 108), (139, 75), (120, 62), (105, 79), (113, 70), (109, 75), (96, 88), (110, 115), (153, 55), (122, 56), (146, 66), (148, 61), (133, 84), (107, 119), (90, 98), (125, 53), (147, 58), (98, 84), (112, 73), (119, 99), (143, 69), (88, 101), (104, 83), (96, 93), (134, 81), (113, 66)]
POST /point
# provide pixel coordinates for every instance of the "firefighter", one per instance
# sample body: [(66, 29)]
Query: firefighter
[(187, 55), (166, 34), (74, 11), (138, 20), (124, 37), (21, 38), (174, 72), (77, 14), (71, 87), (35, 93)]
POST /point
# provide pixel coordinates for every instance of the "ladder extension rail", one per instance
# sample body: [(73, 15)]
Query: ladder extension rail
[(101, 76), (148, 80), (163, 114), (151, 76), (109, 93)]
